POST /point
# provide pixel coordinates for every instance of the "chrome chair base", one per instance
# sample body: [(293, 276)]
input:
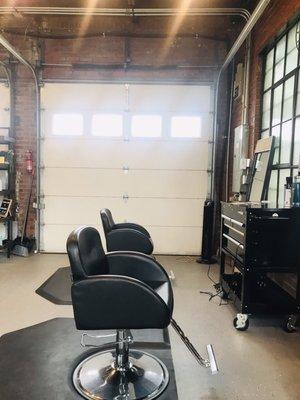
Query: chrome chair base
[(98, 378)]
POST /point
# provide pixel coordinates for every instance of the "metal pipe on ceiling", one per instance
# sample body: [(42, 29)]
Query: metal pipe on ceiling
[(111, 34), (128, 66), (22, 60), (124, 12)]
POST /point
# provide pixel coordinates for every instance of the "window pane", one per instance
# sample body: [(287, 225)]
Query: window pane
[(266, 110), (280, 50), (265, 134), (107, 125), (67, 124), (279, 59), (292, 51), (277, 99), (186, 127), (286, 142), (288, 99), (269, 70), (146, 125), (272, 193), (297, 142), (283, 174), (276, 133)]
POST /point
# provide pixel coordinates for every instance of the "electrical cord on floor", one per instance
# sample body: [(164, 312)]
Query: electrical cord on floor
[(216, 286)]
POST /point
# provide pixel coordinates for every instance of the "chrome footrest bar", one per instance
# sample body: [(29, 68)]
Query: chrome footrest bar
[(207, 363), (85, 335), (128, 339)]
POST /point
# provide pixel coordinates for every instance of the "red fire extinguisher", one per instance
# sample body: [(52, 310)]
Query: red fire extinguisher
[(29, 162)]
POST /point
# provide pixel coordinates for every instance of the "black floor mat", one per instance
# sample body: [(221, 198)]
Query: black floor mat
[(36, 363), (57, 287)]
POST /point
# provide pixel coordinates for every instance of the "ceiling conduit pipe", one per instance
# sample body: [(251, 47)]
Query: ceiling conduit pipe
[(124, 12), (260, 8), (20, 58)]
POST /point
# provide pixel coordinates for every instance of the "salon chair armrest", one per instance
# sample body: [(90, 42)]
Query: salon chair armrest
[(128, 239), (126, 303), (142, 267), (136, 265)]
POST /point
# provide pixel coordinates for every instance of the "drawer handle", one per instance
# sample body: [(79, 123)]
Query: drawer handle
[(234, 229), (233, 221), (233, 241)]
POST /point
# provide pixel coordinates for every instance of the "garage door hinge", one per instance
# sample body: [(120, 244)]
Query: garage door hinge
[(39, 206), (209, 171), (125, 197)]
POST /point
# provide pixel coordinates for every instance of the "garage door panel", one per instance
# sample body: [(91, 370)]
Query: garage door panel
[(84, 182), (159, 212), (171, 184), (47, 122), (174, 98), (99, 182), (54, 237), (148, 212), (177, 240), (166, 240), (66, 96), (4, 107), (89, 153)]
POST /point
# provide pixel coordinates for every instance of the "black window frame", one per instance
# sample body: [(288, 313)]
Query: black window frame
[(294, 73)]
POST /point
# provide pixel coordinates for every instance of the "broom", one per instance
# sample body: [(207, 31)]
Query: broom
[(23, 245)]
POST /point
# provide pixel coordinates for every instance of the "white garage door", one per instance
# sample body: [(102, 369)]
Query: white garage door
[(140, 150), (4, 108)]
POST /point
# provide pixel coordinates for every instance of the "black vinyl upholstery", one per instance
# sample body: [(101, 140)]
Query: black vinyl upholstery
[(125, 236), (117, 291), (86, 256), (107, 220), (131, 225)]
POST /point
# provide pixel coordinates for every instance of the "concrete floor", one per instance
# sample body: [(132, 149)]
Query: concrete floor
[(262, 363)]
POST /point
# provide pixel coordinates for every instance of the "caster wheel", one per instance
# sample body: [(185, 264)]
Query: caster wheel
[(241, 322), (289, 324), (224, 295)]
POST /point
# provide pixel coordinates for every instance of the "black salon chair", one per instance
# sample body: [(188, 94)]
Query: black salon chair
[(125, 236), (118, 291)]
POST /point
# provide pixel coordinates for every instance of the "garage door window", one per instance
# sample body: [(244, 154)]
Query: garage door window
[(186, 127), (107, 125), (147, 126), (67, 124)]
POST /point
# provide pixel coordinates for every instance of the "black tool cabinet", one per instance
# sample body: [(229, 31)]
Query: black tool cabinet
[(257, 242)]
